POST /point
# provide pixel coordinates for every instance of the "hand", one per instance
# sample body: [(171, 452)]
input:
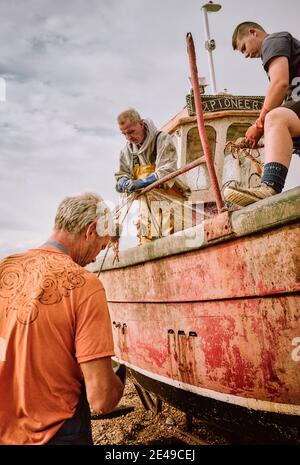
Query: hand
[(253, 135), (259, 123), (141, 183), (134, 185), (122, 184)]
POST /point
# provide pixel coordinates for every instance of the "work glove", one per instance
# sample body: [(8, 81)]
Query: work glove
[(122, 184), (120, 371), (137, 184), (253, 135)]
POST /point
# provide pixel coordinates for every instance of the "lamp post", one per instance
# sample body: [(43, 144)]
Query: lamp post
[(210, 44)]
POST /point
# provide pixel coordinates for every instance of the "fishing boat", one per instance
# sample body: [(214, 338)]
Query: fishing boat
[(208, 319)]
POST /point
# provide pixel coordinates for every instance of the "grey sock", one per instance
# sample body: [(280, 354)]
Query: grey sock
[(275, 175)]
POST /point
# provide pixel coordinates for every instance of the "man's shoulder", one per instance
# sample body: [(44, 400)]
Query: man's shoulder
[(125, 150), (82, 274), (279, 34), (164, 137), (46, 263), (71, 277), (92, 280), (15, 258), (276, 36), (275, 45), (91, 288)]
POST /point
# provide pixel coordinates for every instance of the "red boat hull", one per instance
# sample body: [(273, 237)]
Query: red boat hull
[(220, 321)]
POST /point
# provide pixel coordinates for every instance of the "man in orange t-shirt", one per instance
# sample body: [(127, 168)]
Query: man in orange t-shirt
[(55, 332)]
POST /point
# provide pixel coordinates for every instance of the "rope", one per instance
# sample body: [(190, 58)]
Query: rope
[(240, 148), (160, 195), (159, 229), (128, 202), (130, 199)]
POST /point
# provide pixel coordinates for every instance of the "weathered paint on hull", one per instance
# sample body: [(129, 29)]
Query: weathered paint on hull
[(239, 347), (257, 265), (223, 318)]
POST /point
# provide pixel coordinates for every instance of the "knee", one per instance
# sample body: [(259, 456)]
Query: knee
[(274, 118)]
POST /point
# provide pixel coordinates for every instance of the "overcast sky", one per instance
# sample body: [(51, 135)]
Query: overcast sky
[(71, 66)]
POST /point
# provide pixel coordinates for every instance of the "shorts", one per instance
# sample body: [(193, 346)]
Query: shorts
[(76, 430), (296, 140), (292, 105)]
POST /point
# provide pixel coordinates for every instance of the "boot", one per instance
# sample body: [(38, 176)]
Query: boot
[(245, 196)]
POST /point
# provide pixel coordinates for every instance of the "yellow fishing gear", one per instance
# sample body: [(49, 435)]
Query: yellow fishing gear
[(151, 225)]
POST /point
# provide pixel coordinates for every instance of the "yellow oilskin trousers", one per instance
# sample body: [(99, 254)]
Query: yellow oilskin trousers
[(158, 209)]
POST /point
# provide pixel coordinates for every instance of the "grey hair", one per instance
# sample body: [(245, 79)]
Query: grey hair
[(74, 213), (130, 114)]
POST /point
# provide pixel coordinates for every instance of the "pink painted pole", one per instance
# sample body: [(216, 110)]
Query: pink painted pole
[(200, 121)]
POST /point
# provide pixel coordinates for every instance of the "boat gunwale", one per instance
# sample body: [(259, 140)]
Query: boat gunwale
[(250, 220), (258, 217)]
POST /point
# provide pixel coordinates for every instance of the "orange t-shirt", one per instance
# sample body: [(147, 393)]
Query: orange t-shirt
[(53, 316)]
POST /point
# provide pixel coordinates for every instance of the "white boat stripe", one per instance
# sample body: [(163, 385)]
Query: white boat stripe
[(248, 402)]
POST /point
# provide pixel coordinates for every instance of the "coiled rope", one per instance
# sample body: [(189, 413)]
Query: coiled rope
[(240, 148)]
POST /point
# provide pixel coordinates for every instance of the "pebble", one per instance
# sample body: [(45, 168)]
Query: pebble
[(170, 421)]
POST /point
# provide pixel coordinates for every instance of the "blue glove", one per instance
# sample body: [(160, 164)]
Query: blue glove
[(122, 184), (120, 371), (137, 184)]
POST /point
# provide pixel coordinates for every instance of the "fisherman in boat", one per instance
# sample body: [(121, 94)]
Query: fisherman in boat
[(279, 119), (56, 338), (148, 156)]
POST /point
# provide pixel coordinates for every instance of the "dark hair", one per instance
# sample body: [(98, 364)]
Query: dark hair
[(242, 30)]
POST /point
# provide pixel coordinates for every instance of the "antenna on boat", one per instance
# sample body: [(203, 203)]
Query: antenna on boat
[(210, 44)]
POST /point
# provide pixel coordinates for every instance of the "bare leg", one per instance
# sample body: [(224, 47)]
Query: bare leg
[(280, 126)]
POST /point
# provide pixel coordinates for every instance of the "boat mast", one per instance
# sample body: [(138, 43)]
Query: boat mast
[(210, 44)]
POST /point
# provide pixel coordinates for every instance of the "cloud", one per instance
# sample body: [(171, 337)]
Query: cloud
[(72, 66)]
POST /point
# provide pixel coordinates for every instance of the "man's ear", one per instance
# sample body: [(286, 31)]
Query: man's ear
[(91, 229), (253, 31)]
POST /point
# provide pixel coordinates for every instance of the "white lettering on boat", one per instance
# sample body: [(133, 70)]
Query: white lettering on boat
[(211, 104)]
